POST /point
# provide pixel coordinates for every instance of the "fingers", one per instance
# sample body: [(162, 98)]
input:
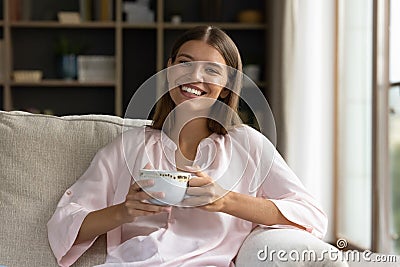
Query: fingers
[(136, 202), (141, 207), (138, 185), (142, 195), (197, 201), (195, 170), (136, 209), (199, 191), (148, 166), (136, 192), (200, 181)]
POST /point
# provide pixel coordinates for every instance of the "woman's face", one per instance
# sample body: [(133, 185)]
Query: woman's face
[(198, 71)]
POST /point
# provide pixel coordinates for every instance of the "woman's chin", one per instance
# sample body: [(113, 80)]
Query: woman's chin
[(197, 105)]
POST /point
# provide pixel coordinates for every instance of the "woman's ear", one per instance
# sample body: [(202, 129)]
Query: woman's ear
[(224, 93)]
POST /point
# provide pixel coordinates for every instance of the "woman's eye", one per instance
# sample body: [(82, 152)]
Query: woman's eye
[(212, 71), (185, 63)]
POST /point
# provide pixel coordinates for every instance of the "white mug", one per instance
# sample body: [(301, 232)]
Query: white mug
[(172, 183)]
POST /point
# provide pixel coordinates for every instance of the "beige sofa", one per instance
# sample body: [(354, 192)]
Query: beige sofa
[(43, 155)]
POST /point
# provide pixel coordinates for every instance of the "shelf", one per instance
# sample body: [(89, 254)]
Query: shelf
[(55, 24), (127, 25), (189, 25), (62, 83), (140, 49), (227, 26)]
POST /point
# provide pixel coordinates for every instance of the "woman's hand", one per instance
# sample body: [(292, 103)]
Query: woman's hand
[(205, 193), (135, 205), (101, 221)]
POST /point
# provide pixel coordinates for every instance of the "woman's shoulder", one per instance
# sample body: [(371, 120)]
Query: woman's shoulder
[(244, 130), (139, 131), (256, 140), (140, 135)]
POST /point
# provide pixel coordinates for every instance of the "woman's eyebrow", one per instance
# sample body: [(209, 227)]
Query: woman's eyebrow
[(215, 65), (185, 55)]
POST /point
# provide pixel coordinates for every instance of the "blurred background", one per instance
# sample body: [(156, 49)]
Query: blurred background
[(330, 71)]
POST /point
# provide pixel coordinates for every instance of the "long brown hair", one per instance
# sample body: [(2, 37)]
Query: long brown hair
[(226, 47)]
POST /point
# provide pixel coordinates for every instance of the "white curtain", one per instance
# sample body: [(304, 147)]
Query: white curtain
[(308, 56)]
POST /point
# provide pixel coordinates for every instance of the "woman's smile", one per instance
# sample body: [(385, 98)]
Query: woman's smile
[(191, 91)]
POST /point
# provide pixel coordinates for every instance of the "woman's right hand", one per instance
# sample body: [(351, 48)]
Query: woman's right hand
[(135, 202), (101, 221)]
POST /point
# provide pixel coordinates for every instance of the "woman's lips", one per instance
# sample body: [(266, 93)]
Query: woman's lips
[(190, 92)]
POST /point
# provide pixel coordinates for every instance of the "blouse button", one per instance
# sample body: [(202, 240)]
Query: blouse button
[(68, 193)]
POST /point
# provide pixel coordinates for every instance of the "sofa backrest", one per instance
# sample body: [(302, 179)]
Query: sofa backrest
[(40, 157)]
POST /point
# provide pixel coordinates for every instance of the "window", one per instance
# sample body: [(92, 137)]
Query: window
[(354, 121), (369, 124)]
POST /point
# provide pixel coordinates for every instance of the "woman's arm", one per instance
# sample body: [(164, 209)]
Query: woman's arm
[(103, 220), (212, 197), (254, 209)]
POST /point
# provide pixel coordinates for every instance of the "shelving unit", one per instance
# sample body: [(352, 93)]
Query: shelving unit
[(140, 50)]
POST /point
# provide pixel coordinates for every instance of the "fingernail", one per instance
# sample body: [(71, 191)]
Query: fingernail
[(150, 182)]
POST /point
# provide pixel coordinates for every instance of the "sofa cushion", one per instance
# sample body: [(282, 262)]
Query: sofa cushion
[(40, 157)]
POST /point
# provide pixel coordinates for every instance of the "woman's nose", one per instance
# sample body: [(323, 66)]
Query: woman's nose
[(197, 72)]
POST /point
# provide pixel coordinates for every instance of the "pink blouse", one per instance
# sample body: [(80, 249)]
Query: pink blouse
[(242, 161)]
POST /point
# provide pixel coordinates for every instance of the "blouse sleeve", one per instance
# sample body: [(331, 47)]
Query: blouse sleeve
[(292, 199), (280, 184), (93, 191)]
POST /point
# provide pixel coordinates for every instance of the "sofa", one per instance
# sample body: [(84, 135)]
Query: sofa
[(42, 155)]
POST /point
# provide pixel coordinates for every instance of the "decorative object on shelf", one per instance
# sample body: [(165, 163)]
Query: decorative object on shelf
[(103, 10), (176, 19), (138, 11), (68, 66), (67, 58), (68, 17), (27, 75), (20, 10), (85, 10), (15, 10), (250, 16), (98, 10), (96, 68)]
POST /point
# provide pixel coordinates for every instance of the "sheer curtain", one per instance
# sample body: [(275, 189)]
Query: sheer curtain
[(303, 85)]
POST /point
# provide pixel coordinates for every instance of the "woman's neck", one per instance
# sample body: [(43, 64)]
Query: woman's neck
[(188, 139), (190, 131)]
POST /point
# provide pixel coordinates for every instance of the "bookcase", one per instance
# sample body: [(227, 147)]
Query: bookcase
[(29, 42)]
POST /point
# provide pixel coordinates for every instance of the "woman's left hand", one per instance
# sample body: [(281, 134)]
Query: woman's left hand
[(205, 193)]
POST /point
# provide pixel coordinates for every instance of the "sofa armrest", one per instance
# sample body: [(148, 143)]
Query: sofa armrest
[(285, 247)]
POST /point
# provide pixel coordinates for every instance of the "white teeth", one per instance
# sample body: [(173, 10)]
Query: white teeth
[(191, 90)]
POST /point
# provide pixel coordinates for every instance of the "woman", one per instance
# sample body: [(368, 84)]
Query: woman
[(187, 131)]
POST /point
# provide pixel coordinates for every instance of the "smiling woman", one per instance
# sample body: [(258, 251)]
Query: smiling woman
[(238, 180)]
